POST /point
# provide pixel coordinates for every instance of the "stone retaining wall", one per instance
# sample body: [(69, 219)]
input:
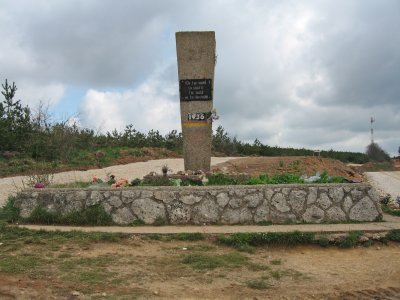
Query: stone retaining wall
[(311, 203)]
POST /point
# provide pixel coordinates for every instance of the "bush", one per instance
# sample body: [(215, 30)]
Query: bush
[(393, 235), (93, 216), (351, 239), (376, 153), (9, 212)]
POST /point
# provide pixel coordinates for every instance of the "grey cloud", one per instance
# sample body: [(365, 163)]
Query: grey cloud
[(345, 61)]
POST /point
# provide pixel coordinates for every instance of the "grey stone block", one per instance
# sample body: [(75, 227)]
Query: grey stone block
[(206, 212), (297, 198), (179, 213), (324, 202), (148, 210), (253, 200), (364, 210), (280, 203), (313, 215), (335, 214), (222, 199), (336, 194), (262, 213), (123, 216)]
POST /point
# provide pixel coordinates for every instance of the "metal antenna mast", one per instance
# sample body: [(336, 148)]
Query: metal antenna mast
[(372, 130)]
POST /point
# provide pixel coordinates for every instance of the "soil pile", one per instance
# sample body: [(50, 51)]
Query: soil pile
[(302, 165)]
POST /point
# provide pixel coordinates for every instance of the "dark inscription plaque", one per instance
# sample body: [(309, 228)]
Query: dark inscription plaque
[(195, 89)]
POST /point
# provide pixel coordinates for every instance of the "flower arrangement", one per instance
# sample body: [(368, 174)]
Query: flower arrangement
[(122, 182)]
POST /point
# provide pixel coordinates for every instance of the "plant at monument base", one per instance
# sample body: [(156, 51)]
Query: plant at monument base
[(165, 170), (122, 182), (9, 212), (111, 179), (96, 180)]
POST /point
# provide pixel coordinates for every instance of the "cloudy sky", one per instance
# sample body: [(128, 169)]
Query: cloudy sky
[(290, 73)]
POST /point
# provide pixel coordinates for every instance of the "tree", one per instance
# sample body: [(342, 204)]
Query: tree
[(376, 153), (15, 120)]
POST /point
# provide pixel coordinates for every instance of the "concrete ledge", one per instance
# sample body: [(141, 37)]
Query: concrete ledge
[(278, 204)]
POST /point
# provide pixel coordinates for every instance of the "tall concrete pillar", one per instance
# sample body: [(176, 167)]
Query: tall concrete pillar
[(196, 64)]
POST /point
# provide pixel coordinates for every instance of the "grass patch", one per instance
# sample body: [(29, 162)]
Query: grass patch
[(393, 235), (203, 261), (257, 284), (11, 234), (276, 275), (9, 213), (276, 262), (93, 216), (195, 236), (391, 211), (351, 239), (240, 240), (323, 241), (18, 264)]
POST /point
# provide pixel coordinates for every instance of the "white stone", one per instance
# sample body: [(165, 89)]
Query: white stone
[(324, 202), (335, 214), (347, 204), (364, 210), (312, 196), (336, 194), (122, 216), (148, 210), (165, 196), (191, 199), (279, 202), (262, 213), (313, 215), (297, 198), (115, 201), (222, 199), (206, 212), (253, 200)]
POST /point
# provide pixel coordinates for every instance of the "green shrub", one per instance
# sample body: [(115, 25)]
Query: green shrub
[(257, 284), (323, 241), (94, 216), (195, 236), (9, 212), (221, 179), (393, 235), (41, 216), (351, 239), (390, 211)]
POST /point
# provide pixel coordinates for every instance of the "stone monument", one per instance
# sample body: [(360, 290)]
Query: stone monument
[(196, 63)]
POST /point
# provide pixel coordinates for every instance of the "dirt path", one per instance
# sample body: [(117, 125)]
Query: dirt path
[(11, 185), (138, 268), (385, 182)]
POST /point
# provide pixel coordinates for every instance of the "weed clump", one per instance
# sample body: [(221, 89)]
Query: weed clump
[(94, 216), (351, 239), (9, 213), (257, 284), (393, 235), (243, 240)]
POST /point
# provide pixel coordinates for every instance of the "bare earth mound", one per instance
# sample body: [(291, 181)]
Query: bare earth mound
[(302, 165)]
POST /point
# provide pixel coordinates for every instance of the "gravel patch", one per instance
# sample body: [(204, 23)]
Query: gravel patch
[(385, 182)]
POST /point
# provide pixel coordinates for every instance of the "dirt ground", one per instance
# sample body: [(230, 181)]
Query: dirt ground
[(302, 165), (138, 268)]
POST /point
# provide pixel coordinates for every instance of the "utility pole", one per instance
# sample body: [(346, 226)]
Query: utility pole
[(372, 130)]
